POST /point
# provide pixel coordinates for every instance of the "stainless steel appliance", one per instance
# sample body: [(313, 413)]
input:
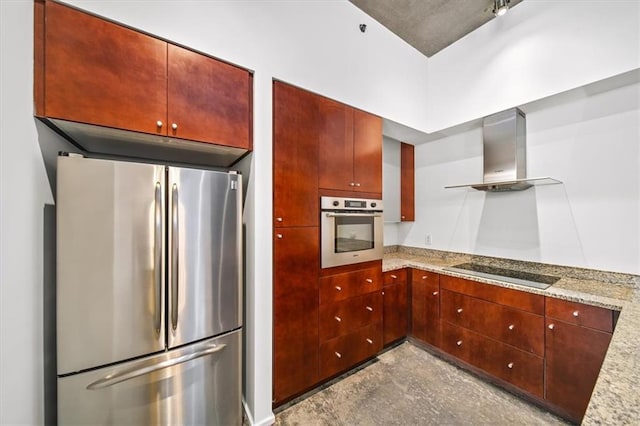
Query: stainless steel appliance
[(352, 230), (149, 301)]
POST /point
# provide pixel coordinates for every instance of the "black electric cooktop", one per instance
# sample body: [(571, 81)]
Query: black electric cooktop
[(528, 279)]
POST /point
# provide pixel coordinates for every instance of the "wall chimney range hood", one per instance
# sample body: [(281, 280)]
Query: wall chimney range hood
[(504, 138)]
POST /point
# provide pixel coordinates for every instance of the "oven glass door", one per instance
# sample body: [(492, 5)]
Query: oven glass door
[(354, 233)]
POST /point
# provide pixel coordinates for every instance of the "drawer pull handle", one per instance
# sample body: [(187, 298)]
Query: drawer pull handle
[(338, 354), (369, 341), (279, 236), (510, 365), (369, 308), (278, 219), (551, 326), (338, 318), (369, 280), (459, 310), (338, 288), (424, 277), (159, 123), (395, 277), (511, 326), (576, 313), (383, 293), (174, 126), (435, 293), (459, 343)]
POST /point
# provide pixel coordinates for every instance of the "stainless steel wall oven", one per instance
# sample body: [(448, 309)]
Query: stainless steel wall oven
[(351, 230)]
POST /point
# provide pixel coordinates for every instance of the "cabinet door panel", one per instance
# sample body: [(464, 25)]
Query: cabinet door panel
[(407, 183), (574, 356), (102, 73), (394, 277), (367, 152), (208, 99), (295, 311), (395, 317), (425, 306), (295, 157), (335, 133)]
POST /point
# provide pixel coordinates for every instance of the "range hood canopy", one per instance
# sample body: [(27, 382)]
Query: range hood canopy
[(504, 138)]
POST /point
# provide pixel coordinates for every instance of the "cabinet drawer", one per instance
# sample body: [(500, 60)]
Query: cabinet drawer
[(517, 367), (349, 284), (517, 328), (339, 318), (340, 354), (580, 314), (394, 277), (420, 276), (529, 302)]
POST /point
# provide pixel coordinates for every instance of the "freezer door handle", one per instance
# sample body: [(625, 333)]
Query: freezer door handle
[(158, 257), (151, 366), (175, 239)]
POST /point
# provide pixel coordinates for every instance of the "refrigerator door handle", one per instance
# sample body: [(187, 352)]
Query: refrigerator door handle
[(151, 366), (175, 241), (158, 257)]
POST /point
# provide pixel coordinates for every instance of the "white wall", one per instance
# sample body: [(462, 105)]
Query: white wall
[(314, 44), (539, 48), (589, 141)]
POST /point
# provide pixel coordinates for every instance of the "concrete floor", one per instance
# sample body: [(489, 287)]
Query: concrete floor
[(408, 386)]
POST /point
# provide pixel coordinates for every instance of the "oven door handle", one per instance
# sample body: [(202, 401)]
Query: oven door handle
[(354, 214)]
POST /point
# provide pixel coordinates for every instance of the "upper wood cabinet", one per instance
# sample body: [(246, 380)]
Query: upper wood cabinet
[(350, 144), (407, 183), (295, 157), (90, 70)]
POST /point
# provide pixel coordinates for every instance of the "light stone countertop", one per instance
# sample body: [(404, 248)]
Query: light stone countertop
[(615, 399)]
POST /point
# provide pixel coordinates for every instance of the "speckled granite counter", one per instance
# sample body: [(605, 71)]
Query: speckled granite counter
[(615, 399)]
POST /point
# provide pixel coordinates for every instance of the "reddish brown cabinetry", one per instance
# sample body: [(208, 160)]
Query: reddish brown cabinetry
[(295, 311), (350, 319), (350, 149), (395, 301), (295, 157), (93, 71), (425, 306), (574, 353), (407, 183)]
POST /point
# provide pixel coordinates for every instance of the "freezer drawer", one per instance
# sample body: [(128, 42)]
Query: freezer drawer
[(194, 385)]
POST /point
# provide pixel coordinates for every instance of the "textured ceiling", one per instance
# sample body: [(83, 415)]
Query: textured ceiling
[(430, 25)]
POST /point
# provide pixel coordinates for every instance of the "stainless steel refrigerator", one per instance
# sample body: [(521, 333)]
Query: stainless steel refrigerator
[(149, 299)]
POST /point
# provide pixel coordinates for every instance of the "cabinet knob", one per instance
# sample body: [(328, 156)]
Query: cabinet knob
[(369, 280), (352, 184), (174, 126), (337, 318), (576, 313), (435, 293), (401, 217), (338, 288), (551, 326), (338, 354), (383, 293), (511, 326), (510, 365), (395, 277), (357, 184), (279, 236), (159, 123), (459, 310), (424, 277), (459, 343), (369, 308), (369, 341), (278, 219)]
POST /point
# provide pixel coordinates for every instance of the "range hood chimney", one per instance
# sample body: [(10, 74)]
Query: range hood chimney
[(504, 137)]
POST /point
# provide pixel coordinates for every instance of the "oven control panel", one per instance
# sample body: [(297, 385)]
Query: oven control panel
[(350, 204)]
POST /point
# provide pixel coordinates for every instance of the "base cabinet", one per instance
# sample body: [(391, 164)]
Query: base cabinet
[(343, 352), (425, 306), (395, 306)]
